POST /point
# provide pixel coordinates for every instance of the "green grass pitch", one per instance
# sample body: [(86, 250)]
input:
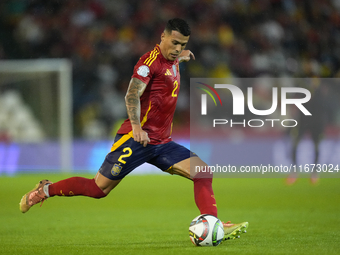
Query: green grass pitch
[(150, 215)]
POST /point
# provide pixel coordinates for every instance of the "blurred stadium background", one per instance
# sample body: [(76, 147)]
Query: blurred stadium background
[(102, 40)]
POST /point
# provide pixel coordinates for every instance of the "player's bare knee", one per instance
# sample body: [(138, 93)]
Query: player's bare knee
[(179, 171), (105, 184)]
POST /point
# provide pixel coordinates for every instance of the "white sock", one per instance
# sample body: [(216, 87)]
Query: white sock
[(45, 189)]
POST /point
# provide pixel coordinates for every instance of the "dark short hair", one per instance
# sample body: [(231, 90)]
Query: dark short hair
[(178, 25)]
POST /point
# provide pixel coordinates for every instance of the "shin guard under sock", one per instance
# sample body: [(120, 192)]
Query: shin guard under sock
[(204, 196), (76, 186)]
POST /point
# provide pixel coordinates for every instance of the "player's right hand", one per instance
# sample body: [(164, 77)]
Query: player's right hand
[(140, 136)]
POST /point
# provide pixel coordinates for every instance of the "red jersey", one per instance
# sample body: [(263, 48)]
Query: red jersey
[(158, 102)]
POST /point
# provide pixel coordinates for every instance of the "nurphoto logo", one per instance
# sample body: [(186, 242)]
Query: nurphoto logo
[(238, 107)]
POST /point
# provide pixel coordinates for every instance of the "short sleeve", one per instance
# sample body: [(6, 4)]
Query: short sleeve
[(142, 71)]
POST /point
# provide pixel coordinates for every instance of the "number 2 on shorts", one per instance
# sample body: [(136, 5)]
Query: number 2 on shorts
[(128, 154)]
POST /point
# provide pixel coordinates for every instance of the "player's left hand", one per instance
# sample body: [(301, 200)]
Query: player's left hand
[(139, 135), (186, 55)]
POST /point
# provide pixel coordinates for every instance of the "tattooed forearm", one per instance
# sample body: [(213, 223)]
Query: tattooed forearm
[(132, 100)]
